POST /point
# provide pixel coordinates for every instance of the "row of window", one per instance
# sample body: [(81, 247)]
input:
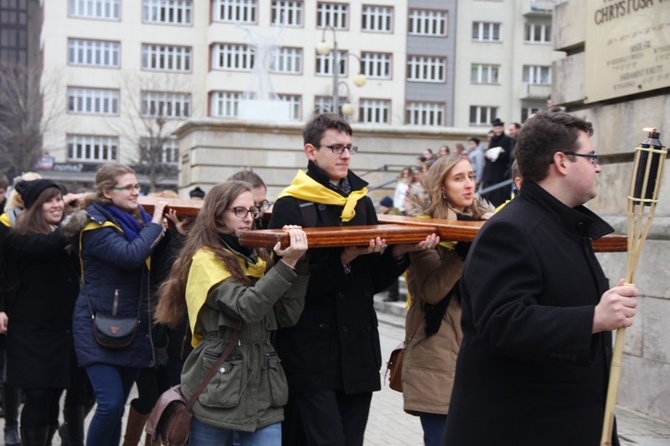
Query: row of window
[(286, 60), (374, 18), (225, 104), (241, 57), (490, 74), (92, 148)]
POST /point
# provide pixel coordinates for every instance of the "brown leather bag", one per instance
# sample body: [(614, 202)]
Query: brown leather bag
[(394, 367), (170, 419)]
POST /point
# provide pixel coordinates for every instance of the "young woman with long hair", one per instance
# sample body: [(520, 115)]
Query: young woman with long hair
[(226, 287), (432, 325), (115, 250), (41, 288)]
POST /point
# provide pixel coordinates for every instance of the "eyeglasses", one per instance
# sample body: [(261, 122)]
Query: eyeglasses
[(591, 156), (338, 149), (128, 187), (263, 205), (241, 212)]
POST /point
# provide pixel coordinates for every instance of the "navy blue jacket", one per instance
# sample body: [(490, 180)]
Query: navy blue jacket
[(112, 263)]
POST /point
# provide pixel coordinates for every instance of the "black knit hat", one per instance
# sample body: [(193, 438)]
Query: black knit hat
[(30, 190)]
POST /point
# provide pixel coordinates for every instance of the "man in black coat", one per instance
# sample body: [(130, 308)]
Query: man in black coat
[(497, 166), (332, 356), (533, 368)]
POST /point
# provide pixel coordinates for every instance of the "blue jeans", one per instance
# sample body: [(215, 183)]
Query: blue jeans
[(433, 428), (111, 385), (203, 434)]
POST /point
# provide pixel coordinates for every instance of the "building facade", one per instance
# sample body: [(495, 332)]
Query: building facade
[(126, 74)]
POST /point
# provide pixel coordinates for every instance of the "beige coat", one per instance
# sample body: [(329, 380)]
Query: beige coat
[(429, 364)]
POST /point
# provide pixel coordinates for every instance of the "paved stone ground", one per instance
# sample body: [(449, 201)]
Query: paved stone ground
[(389, 425)]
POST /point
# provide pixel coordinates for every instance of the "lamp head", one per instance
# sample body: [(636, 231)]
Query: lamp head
[(348, 109), (323, 48), (360, 80)]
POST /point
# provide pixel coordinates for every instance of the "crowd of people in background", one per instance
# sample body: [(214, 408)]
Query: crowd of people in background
[(299, 322)]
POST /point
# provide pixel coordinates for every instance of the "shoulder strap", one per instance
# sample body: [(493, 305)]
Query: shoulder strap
[(308, 211), (214, 369)]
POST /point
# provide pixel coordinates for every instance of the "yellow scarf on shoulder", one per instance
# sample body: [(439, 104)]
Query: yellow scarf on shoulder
[(303, 187), (206, 272)]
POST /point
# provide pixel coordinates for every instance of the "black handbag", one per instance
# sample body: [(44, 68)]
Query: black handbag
[(112, 331)]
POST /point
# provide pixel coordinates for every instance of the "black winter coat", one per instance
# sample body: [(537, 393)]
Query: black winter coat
[(529, 371), (335, 344), (43, 282)]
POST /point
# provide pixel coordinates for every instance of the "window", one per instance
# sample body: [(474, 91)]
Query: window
[(96, 53), (296, 105), (484, 74), (324, 104), (377, 18), (166, 58), (427, 23), (287, 60), (332, 14), (527, 112), (537, 74), (165, 104), (169, 149), (95, 9), (228, 56), (173, 12), (92, 101), (375, 111), (538, 33), (426, 69), (376, 65), (324, 63), (92, 148), (225, 104), (287, 13), (13, 32), (486, 32), (482, 115), (425, 113), (235, 11)]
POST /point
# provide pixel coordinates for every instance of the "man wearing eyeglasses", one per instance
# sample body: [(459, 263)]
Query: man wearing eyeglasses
[(537, 309), (332, 356)]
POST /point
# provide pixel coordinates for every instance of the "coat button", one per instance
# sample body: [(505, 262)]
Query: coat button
[(345, 329), (322, 325)]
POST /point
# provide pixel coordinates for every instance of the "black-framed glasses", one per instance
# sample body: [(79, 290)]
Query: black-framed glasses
[(263, 205), (338, 149), (591, 156), (242, 212), (128, 187)]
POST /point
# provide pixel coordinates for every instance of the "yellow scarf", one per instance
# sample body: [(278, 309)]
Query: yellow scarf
[(305, 188), (4, 219), (206, 272)]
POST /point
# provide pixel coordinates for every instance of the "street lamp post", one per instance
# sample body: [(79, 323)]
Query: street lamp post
[(323, 48)]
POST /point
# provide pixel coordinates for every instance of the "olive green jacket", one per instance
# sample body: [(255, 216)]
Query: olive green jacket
[(250, 389)]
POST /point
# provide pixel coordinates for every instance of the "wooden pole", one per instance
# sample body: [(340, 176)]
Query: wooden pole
[(642, 201)]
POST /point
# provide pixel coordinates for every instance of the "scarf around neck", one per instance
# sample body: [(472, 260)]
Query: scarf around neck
[(129, 224), (303, 187)]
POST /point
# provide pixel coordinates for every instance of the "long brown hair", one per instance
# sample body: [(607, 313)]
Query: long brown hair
[(31, 220), (431, 201), (206, 233)]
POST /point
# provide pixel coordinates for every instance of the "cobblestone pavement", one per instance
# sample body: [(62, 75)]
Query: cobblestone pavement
[(389, 425)]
